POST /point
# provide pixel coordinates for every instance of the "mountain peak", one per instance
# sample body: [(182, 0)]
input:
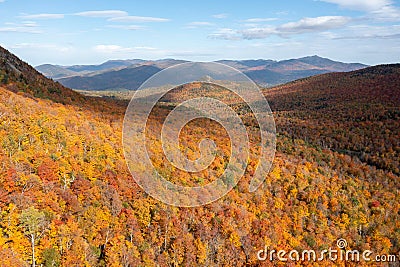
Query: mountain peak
[(314, 57)]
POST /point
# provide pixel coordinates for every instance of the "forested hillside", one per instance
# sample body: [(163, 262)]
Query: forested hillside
[(68, 199), (355, 113)]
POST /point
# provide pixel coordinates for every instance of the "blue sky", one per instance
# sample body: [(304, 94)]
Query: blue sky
[(69, 32)]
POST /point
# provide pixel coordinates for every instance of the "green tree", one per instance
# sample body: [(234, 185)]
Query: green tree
[(34, 223)]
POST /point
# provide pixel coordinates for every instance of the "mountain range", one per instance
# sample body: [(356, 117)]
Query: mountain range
[(129, 74)]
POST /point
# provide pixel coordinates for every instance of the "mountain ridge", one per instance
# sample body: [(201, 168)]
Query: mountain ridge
[(263, 71), (126, 78), (18, 76)]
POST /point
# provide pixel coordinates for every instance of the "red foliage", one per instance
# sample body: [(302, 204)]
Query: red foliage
[(48, 170)]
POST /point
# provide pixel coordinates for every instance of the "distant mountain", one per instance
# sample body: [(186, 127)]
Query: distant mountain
[(244, 65), (55, 71), (165, 63), (58, 72), (110, 75), (269, 72), (109, 65), (128, 78), (314, 63)]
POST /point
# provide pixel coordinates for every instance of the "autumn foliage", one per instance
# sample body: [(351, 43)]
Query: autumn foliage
[(66, 193)]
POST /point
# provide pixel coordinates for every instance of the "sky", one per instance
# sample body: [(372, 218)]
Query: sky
[(68, 32)]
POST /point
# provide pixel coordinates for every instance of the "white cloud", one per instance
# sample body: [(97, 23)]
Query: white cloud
[(149, 48), (2, 1), (19, 30), (225, 34), (363, 5), (380, 9), (313, 24), (102, 14), (30, 24), (109, 48), (305, 25), (258, 33), (23, 27), (58, 48), (201, 23), (197, 24), (282, 13), (116, 49), (370, 32), (127, 27), (137, 19), (118, 16), (256, 20), (389, 13), (220, 16), (43, 16)]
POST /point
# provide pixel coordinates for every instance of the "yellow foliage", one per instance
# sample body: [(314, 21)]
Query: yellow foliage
[(201, 250), (235, 239)]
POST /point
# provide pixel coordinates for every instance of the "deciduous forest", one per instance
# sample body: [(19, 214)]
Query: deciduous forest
[(67, 197)]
